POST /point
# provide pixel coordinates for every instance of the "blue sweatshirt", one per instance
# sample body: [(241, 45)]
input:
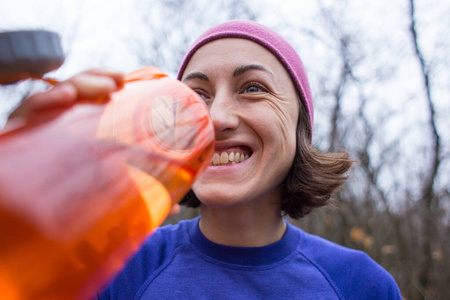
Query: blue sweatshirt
[(178, 262)]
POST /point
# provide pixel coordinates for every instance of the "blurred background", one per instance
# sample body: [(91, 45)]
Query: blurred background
[(379, 72)]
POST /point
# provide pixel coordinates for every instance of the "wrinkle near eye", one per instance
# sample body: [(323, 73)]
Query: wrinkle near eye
[(282, 112)]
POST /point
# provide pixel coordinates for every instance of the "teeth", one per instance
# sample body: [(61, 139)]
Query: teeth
[(216, 159), (225, 158), (231, 156)]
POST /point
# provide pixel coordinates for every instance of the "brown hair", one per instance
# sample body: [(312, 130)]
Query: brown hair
[(312, 179), (314, 175)]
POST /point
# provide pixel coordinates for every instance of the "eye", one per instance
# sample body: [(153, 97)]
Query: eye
[(255, 87), (252, 89), (201, 93)]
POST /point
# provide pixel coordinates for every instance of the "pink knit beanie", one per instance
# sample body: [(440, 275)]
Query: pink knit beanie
[(267, 38)]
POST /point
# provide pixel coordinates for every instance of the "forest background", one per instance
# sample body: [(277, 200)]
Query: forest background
[(379, 72)]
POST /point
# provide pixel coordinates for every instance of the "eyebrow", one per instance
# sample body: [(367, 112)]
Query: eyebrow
[(245, 68), (237, 72), (196, 75)]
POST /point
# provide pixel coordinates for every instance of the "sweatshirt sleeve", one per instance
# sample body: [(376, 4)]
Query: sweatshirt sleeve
[(352, 273)]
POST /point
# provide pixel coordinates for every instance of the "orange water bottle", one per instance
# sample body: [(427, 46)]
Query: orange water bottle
[(80, 193)]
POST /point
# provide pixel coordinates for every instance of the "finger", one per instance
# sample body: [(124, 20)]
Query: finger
[(175, 209), (60, 96), (118, 77), (90, 85)]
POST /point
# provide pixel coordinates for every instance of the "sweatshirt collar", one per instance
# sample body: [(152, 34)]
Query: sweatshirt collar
[(249, 256)]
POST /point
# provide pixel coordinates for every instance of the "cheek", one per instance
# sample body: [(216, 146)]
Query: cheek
[(291, 126), (278, 137), (287, 146), (284, 130), (275, 123), (287, 141)]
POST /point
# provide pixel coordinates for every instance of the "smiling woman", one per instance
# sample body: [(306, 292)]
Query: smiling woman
[(254, 108), (264, 167)]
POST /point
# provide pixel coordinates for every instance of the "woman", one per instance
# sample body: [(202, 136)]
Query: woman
[(264, 167)]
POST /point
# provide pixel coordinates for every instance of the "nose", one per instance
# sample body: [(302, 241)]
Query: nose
[(223, 112)]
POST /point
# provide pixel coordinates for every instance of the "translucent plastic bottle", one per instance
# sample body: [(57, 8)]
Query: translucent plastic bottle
[(78, 195)]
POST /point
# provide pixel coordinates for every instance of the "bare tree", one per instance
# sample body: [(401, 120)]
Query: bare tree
[(428, 199), (365, 217), (171, 25)]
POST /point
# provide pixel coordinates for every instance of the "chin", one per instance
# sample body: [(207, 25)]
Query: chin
[(218, 198), (219, 201)]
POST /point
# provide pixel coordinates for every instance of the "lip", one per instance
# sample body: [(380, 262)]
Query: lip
[(232, 145)]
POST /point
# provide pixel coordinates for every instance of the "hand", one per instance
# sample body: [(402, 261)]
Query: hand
[(89, 86), (175, 209)]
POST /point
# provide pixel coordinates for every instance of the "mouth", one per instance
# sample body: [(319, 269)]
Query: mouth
[(230, 156)]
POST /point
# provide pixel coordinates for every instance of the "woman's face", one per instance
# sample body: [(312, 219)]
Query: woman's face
[(254, 109)]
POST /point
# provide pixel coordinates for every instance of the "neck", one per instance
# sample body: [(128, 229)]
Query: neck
[(243, 225)]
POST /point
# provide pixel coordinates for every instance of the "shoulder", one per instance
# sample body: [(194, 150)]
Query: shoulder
[(162, 243), (155, 252), (352, 273), (165, 239)]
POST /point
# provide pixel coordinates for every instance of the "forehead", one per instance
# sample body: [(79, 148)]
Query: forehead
[(233, 52)]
